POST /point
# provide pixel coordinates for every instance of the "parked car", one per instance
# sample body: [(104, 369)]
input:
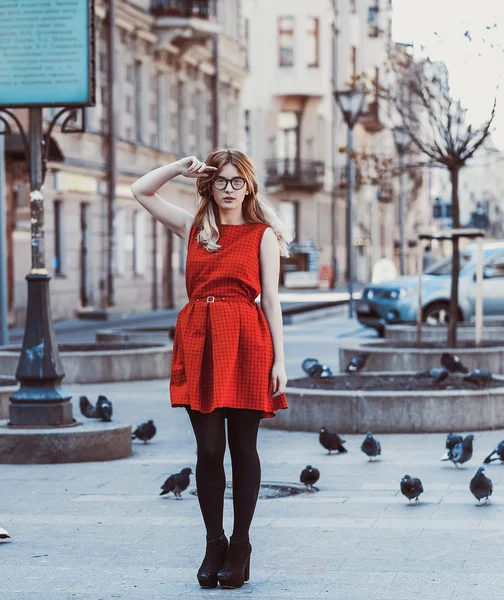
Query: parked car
[(396, 301)]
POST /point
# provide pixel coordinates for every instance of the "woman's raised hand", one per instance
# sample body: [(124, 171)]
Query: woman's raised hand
[(193, 168)]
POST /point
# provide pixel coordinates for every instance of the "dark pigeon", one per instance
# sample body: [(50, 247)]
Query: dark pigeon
[(370, 446), (461, 452), (309, 476), (104, 408), (145, 431), (356, 363), (452, 439), (499, 451), (452, 363), (4, 535), (331, 441), (479, 377), (481, 486), (86, 408), (177, 483), (314, 369), (411, 487)]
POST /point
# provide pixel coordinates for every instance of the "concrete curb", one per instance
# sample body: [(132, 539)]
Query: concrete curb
[(390, 411), (407, 333)]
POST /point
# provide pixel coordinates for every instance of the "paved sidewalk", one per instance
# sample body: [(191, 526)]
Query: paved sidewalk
[(98, 531)]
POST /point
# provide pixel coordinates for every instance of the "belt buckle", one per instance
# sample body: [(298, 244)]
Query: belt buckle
[(212, 299)]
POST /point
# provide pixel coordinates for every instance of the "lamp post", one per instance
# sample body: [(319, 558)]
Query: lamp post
[(351, 103), (402, 141)]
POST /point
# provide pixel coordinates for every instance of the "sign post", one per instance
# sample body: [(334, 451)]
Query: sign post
[(47, 58)]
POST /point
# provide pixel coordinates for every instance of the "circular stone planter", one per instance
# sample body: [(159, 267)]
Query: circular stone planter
[(8, 385), (103, 363), (465, 332), (95, 441), (404, 356), (143, 335), (399, 411)]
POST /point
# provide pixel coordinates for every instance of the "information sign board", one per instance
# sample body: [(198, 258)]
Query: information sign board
[(46, 51)]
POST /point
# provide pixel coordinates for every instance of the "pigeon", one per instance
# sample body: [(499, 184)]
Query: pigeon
[(145, 431), (356, 363), (451, 440), (104, 408), (479, 377), (461, 452), (177, 483), (452, 363), (370, 446), (86, 408), (309, 476), (4, 536), (437, 375), (481, 486), (411, 487), (314, 369), (331, 441), (499, 451)]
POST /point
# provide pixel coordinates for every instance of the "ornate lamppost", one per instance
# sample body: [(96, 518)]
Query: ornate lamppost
[(351, 103)]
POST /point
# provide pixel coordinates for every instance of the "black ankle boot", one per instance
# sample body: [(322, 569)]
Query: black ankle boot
[(236, 568), (213, 561)]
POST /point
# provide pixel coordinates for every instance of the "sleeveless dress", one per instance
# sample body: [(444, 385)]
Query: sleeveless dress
[(222, 349)]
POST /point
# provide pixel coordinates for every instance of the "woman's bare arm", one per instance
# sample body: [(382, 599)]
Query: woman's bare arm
[(270, 303), (176, 219)]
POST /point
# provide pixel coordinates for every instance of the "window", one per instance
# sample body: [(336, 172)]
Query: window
[(312, 42), (139, 242), (138, 101), (287, 142), (353, 6), (59, 265), (286, 41), (373, 21), (288, 212)]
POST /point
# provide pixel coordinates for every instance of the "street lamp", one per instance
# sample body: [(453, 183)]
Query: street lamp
[(351, 103), (402, 141)]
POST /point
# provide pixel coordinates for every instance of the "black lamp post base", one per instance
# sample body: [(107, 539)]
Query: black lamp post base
[(40, 414)]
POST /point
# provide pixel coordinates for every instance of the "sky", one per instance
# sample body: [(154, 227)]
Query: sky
[(468, 35)]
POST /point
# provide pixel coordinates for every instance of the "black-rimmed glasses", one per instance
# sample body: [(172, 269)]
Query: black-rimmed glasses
[(237, 183)]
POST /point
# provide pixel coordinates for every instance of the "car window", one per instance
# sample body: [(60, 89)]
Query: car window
[(444, 266), (495, 266)]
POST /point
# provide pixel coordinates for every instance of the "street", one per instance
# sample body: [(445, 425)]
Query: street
[(97, 531)]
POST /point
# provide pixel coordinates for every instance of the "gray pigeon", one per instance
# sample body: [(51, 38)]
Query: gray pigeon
[(481, 486), (86, 408), (452, 363), (435, 375), (357, 363), (479, 377), (411, 487), (145, 431), (499, 451), (370, 446), (309, 476), (452, 439), (461, 452), (177, 483), (104, 408)]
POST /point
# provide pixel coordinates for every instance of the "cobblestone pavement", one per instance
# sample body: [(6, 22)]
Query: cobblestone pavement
[(98, 531)]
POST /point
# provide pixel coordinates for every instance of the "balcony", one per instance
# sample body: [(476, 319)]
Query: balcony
[(295, 174), (184, 22)]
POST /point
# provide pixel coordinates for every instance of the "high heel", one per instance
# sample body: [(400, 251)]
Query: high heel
[(214, 559), (236, 568)]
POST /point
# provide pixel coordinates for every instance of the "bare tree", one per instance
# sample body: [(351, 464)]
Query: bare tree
[(438, 128)]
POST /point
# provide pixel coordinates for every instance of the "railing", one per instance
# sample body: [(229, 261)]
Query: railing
[(199, 9), (293, 172)]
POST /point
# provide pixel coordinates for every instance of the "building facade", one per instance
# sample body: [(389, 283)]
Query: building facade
[(178, 71)]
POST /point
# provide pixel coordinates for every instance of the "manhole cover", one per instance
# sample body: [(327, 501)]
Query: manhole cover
[(270, 490)]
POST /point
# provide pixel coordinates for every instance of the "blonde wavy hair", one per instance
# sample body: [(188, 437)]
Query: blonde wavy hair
[(256, 208)]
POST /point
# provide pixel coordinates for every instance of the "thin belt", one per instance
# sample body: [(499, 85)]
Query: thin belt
[(211, 299)]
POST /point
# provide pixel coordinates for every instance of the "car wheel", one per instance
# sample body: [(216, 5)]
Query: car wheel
[(437, 313)]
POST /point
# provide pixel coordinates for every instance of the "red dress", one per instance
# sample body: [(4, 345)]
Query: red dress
[(223, 351)]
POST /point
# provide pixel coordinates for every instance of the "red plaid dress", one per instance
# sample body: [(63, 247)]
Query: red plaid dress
[(223, 351)]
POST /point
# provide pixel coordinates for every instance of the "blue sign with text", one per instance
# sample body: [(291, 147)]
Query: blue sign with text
[(44, 52)]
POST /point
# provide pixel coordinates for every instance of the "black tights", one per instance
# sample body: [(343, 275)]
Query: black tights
[(209, 430)]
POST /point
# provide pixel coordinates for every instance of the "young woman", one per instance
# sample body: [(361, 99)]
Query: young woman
[(228, 360)]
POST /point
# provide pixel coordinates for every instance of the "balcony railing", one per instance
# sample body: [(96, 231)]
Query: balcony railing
[(294, 173), (186, 9)]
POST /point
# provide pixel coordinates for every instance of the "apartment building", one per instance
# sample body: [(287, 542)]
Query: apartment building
[(173, 83)]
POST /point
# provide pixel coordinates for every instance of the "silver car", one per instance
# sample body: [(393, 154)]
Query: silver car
[(396, 301)]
